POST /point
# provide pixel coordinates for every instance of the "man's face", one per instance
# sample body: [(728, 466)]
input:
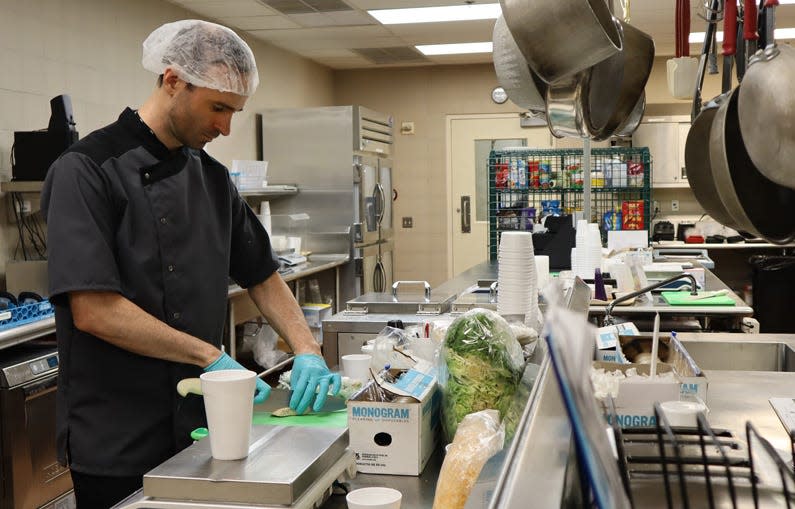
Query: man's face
[(198, 115)]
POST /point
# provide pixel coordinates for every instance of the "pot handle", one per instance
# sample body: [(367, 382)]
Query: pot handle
[(751, 16), (685, 28), (730, 28)]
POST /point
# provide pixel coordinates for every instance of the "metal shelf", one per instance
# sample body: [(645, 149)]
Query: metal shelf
[(22, 186), (271, 191)]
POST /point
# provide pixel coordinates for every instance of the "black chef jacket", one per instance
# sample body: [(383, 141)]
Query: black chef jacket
[(165, 230)]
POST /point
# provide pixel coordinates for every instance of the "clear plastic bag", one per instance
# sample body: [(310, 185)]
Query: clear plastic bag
[(260, 339), (482, 364), (388, 347), (479, 437)]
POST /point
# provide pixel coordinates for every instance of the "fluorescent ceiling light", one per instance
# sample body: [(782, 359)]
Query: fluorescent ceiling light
[(781, 33), (455, 49), (437, 14)]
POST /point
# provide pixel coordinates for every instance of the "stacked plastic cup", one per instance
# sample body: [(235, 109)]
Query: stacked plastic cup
[(516, 275)]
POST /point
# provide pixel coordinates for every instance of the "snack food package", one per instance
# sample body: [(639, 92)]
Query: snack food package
[(479, 437)]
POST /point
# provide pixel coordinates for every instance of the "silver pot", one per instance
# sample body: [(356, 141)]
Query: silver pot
[(621, 90), (560, 38), (767, 108), (757, 204), (513, 73)]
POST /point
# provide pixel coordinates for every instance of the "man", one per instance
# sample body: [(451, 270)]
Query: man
[(144, 231)]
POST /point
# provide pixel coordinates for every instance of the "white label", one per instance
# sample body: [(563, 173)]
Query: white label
[(5, 315)]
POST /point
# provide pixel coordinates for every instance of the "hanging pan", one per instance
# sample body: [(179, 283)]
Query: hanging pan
[(757, 204), (624, 93), (513, 73), (767, 107), (560, 38), (697, 148)]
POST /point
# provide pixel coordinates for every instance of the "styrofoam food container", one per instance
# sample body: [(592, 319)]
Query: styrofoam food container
[(682, 413), (374, 498)]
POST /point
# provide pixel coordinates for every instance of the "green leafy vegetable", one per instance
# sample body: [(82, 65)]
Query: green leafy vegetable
[(484, 364)]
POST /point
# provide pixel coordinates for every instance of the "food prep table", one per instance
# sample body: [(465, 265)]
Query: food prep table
[(536, 464)]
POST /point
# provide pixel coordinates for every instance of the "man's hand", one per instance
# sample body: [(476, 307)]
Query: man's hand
[(225, 362), (311, 375)]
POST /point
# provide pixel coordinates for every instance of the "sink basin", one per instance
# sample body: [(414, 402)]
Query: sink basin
[(742, 356)]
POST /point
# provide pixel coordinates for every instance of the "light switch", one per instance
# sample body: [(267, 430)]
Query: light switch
[(408, 222), (407, 128)]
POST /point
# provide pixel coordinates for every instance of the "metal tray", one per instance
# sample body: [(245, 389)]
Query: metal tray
[(424, 302), (282, 463)]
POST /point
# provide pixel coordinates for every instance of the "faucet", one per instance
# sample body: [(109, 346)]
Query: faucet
[(608, 312)]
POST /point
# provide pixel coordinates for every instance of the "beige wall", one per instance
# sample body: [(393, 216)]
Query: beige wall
[(426, 95), (91, 50)]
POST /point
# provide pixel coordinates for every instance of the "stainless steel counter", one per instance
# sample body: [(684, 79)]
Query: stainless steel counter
[(534, 467), (33, 330), (315, 264)]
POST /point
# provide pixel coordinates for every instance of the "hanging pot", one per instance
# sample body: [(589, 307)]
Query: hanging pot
[(697, 148), (561, 38), (767, 110), (513, 73), (606, 88), (633, 120), (757, 204)]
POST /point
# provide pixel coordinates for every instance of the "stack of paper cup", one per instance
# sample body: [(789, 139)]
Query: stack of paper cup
[(516, 275), (587, 256)]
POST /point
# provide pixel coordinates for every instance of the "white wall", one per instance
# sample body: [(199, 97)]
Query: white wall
[(91, 50)]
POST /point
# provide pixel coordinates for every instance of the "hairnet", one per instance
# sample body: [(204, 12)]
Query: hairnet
[(204, 54)]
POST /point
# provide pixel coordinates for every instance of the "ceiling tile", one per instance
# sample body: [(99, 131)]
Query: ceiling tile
[(229, 8), (313, 44), (259, 22), (358, 33), (443, 33), (341, 18)]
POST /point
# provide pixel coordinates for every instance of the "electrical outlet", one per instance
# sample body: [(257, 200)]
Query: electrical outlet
[(408, 222), (655, 206), (675, 205)]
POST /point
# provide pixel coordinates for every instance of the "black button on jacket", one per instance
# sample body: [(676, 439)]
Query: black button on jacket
[(166, 230)]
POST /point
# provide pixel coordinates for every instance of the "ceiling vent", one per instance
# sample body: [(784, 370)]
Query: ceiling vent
[(394, 55), (307, 6)]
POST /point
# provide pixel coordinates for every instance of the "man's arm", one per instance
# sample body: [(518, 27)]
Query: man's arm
[(117, 320), (278, 305)]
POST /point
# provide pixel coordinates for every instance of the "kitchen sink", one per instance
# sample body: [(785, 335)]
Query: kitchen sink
[(742, 356)]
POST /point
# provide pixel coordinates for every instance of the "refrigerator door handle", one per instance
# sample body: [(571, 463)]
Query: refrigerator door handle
[(378, 282), (380, 202)]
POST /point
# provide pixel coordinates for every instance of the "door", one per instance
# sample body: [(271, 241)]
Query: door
[(366, 200), (385, 197), (470, 138)]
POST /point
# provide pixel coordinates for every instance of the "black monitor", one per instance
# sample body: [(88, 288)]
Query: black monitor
[(34, 151)]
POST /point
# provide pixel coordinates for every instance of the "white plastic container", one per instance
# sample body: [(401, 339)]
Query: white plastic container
[(374, 498)]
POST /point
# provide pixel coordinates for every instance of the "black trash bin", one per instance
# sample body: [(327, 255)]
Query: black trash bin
[(774, 292)]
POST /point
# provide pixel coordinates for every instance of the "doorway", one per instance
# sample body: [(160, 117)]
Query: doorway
[(470, 138)]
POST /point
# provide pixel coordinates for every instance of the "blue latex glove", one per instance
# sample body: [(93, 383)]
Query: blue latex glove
[(311, 375), (262, 391)]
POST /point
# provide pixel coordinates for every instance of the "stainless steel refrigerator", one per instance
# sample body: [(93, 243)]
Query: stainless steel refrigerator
[(339, 157)]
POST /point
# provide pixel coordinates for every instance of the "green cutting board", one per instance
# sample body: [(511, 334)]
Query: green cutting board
[(337, 419), (683, 299)]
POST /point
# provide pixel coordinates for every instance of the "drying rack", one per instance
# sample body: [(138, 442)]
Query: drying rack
[(697, 467)]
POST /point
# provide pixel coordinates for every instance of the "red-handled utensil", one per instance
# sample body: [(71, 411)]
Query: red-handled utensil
[(730, 28), (685, 28), (678, 28)]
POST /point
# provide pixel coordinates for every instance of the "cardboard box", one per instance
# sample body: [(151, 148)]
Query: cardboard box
[(394, 438), (607, 341), (636, 396), (694, 383)]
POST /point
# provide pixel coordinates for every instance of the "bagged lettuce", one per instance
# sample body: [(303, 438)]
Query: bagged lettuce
[(484, 365)]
